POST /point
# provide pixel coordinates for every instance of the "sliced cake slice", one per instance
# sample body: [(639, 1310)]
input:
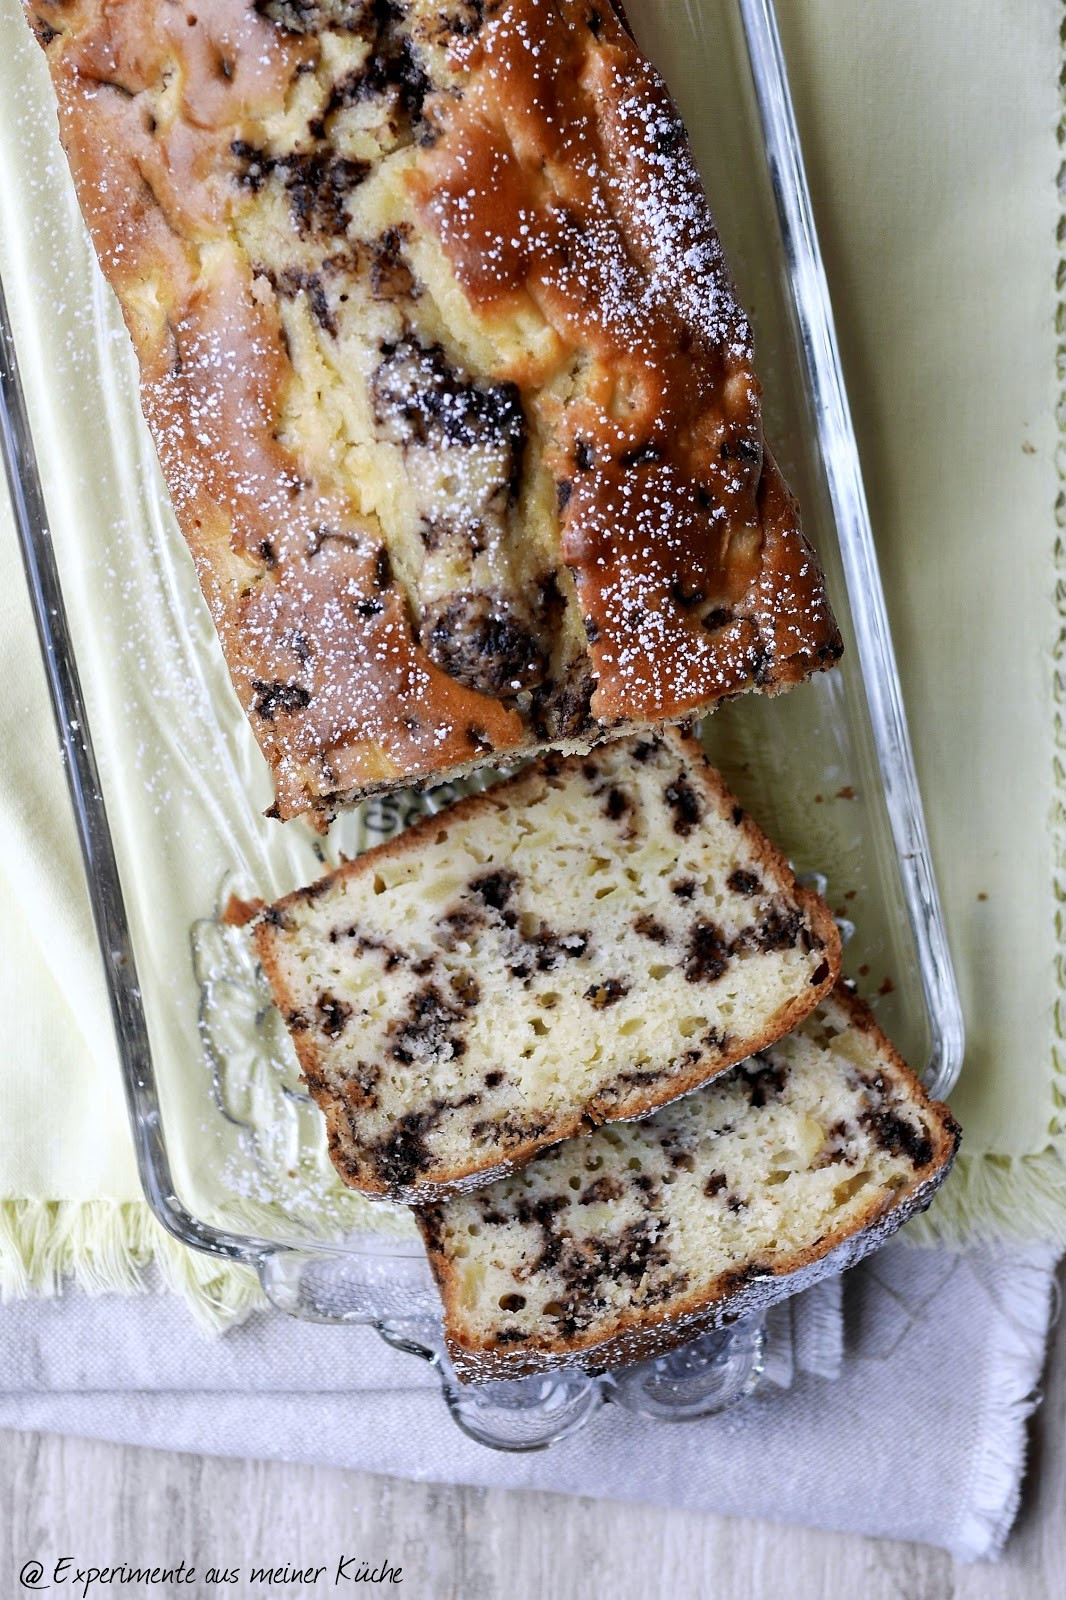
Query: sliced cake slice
[(579, 944), (621, 1245)]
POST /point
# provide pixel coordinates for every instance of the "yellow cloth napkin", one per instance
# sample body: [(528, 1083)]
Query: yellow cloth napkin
[(930, 140)]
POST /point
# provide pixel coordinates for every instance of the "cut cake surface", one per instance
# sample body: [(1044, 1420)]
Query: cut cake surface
[(576, 945), (619, 1246)]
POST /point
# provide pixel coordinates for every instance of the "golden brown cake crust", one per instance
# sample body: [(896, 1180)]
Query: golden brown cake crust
[(544, 169), (268, 937)]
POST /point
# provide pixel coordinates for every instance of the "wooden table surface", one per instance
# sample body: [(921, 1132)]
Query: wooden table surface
[(107, 1503)]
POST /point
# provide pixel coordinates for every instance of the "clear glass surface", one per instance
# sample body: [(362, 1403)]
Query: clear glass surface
[(168, 788)]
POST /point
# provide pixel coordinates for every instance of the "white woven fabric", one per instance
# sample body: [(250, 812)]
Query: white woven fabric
[(921, 1436)]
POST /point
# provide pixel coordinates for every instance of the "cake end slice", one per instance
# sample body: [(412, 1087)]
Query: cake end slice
[(622, 1245)]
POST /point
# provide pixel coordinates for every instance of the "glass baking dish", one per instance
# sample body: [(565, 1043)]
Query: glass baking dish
[(169, 789)]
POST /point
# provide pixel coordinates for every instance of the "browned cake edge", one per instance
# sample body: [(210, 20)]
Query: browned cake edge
[(269, 931), (740, 1292), (133, 235)]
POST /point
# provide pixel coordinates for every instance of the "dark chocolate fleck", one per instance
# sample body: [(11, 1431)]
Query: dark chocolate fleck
[(683, 802), (608, 993), (617, 804), (602, 1190), (718, 618), (762, 1083), (708, 953), (780, 929), (898, 1137), (277, 696), (477, 639), (495, 889), (333, 1014), (428, 1032)]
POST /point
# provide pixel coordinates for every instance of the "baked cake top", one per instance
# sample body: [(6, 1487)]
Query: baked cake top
[(446, 373)]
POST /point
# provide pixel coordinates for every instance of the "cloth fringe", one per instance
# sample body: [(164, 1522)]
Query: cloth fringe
[(997, 1199), (999, 1469), (106, 1247)]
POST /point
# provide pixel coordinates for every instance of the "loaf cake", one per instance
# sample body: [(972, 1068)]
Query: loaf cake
[(446, 375), (621, 1245), (579, 944)]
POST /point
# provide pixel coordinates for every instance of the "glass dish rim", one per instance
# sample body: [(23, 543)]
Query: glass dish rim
[(817, 344)]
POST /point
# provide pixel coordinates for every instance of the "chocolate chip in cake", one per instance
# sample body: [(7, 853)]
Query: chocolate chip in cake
[(394, 65), (391, 277), (311, 16), (899, 1137), (685, 596), (277, 918), (401, 1155), (718, 618), (742, 882), (741, 449), (428, 1032), (780, 929), (459, 926), (608, 993), (279, 697), (683, 802), (645, 455), (419, 398), (318, 186), (382, 568), (291, 281), (602, 1190), (616, 804), (483, 645), (463, 18), (563, 708), (762, 1083), (467, 990), (496, 889), (708, 953), (359, 1087), (43, 31), (333, 1014)]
